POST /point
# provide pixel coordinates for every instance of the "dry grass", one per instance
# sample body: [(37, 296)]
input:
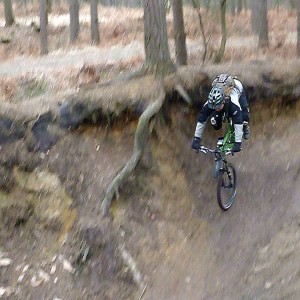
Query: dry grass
[(121, 26)]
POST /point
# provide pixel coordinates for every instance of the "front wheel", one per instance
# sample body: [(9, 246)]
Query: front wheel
[(226, 189)]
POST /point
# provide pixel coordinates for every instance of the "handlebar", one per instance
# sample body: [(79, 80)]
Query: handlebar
[(206, 150)]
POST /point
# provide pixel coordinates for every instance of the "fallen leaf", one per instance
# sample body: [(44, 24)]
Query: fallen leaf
[(4, 262), (53, 269), (21, 277), (43, 275), (2, 291), (68, 267), (35, 282)]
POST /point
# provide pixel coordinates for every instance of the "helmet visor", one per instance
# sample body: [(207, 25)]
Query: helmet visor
[(215, 106)]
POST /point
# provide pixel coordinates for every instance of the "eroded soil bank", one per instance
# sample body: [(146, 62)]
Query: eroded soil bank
[(166, 217)]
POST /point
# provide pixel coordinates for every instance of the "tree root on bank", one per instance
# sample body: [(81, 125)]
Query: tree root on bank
[(128, 76), (131, 264), (139, 145), (183, 94)]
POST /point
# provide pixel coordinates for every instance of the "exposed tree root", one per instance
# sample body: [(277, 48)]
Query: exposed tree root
[(131, 264), (129, 75), (183, 94), (139, 145)]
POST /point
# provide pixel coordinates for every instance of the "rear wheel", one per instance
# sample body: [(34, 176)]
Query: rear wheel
[(226, 189)]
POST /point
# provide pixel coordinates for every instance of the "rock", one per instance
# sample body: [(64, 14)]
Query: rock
[(68, 267), (10, 130), (5, 262), (73, 113), (53, 210), (44, 139), (2, 291)]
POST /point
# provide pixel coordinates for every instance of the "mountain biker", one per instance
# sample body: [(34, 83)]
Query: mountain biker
[(226, 98)]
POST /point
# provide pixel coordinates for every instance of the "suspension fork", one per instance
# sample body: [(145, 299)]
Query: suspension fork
[(219, 163), (225, 163)]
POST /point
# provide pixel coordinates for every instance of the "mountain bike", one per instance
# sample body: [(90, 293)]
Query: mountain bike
[(224, 171)]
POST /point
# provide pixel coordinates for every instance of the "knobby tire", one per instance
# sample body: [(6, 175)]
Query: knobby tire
[(225, 204)]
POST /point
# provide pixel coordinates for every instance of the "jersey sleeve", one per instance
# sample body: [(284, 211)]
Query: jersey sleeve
[(204, 114)]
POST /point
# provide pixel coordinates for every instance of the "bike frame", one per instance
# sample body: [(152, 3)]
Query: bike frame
[(221, 151), (229, 138)]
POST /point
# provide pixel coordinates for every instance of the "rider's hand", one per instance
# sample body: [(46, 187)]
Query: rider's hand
[(196, 143), (237, 147)]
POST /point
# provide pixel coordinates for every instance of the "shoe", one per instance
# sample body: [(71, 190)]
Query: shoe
[(220, 142), (246, 131), (237, 147)]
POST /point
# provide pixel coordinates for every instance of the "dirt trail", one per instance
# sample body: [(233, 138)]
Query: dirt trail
[(63, 60), (227, 262)]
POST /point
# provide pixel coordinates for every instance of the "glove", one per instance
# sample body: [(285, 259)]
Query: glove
[(237, 147), (196, 143)]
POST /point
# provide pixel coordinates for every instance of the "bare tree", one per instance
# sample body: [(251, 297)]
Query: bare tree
[(74, 20), (221, 51), (232, 7), (43, 27), (180, 37), (298, 28), (157, 51), (8, 11), (196, 5), (255, 7), (94, 22), (239, 6), (263, 36)]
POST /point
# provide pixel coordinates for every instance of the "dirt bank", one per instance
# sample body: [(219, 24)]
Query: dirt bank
[(166, 218)]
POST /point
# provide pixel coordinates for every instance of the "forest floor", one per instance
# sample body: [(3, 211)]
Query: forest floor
[(168, 219), (121, 48)]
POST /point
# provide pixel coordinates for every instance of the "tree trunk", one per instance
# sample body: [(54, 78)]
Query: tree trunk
[(298, 31), (139, 146), (255, 7), (239, 6), (180, 37), (43, 27), (221, 51), (196, 5), (263, 37), (74, 20), (157, 53), (49, 6), (94, 22), (232, 7), (8, 11)]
